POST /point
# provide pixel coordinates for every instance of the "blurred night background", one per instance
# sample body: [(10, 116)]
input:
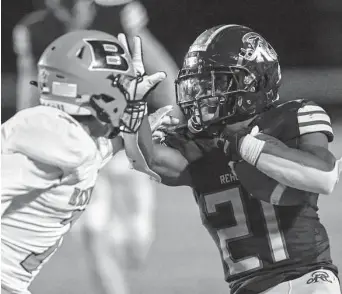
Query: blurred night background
[(305, 33), (307, 36)]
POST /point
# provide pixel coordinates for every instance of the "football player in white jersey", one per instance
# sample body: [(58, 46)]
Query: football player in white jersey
[(51, 154), (102, 217)]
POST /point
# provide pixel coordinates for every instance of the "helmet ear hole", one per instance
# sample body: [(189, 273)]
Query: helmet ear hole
[(80, 53)]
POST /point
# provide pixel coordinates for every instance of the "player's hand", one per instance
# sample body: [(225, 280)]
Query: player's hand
[(145, 83), (160, 118), (160, 122), (230, 140)]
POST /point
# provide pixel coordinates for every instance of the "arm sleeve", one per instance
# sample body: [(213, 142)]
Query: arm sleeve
[(299, 169), (264, 188)]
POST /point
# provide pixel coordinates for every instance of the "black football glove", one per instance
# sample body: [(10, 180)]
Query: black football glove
[(229, 142)]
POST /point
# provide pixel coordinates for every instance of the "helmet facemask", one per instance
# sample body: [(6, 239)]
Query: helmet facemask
[(212, 96)]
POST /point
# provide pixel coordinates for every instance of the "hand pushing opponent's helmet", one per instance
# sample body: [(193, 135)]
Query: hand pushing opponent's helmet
[(81, 66), (229, 74)]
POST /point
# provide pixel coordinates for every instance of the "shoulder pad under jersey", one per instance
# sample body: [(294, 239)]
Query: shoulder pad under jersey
[(48, 135), (290, 120)]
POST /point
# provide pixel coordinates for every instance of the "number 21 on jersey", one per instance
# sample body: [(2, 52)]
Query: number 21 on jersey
[(238, 228)]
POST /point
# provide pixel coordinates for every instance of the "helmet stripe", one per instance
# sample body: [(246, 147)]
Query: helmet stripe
[(203, 47)]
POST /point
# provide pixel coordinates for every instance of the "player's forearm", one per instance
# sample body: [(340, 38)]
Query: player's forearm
[(159, 158), (298, 169), (163, 163), (139, 149)]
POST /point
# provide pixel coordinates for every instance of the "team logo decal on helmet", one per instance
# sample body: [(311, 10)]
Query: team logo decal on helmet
[(107, 55), (256, 48)]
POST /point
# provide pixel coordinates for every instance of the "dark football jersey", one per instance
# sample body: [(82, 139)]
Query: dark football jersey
[(260, 244)]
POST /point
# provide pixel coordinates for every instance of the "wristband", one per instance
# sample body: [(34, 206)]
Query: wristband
[(251, 149)]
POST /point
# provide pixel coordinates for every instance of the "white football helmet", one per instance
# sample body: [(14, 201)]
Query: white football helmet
[(83, 66)]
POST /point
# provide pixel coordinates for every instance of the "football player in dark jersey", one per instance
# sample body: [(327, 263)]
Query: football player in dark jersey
[(228, 91)]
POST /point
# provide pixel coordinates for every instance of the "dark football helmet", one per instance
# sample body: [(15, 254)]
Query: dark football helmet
[(229, 74)]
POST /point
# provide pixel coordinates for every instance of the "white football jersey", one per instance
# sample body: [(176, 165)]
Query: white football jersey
[(49, 168)]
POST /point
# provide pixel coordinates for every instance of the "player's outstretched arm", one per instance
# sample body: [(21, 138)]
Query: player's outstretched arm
[(165, 164), (311, 168)]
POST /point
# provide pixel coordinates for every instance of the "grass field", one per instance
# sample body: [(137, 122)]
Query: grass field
[(183, 258)]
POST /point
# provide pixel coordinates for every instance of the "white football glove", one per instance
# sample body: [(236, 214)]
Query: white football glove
[(160, 122), (146, 83), (156, 119)]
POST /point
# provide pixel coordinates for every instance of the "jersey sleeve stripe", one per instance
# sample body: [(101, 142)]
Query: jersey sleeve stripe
[(315, 122), (311, 112), (325, 128), (277, 193), (312, 118), (309, 108), (317, 117)]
